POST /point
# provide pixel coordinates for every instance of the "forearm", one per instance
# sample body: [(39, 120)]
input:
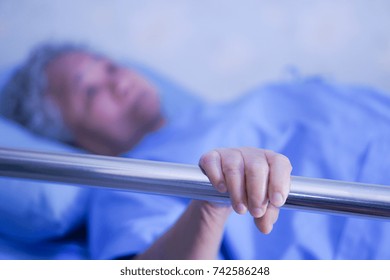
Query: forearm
[(196, 235)]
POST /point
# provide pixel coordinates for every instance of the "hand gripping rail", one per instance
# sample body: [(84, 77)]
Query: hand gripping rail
[(185, 181)]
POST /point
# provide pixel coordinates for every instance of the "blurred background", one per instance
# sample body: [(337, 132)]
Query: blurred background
[(218, 49)]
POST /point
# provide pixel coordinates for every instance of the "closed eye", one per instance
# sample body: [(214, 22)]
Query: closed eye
[(91, 91), (111, 68), (90, 94)]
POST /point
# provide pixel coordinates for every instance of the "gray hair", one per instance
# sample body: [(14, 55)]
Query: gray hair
[(23, 101)]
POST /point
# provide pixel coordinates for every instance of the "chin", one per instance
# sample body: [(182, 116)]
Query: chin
[(157, 122), (151, 111), (161, 122)]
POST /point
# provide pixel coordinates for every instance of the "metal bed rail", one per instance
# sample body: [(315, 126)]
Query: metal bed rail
[(185, 181)]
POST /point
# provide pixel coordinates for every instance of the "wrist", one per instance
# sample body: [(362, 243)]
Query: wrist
[(212, 213)]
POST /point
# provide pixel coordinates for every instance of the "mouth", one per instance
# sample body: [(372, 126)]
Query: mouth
[(131, 94), (139, 97)]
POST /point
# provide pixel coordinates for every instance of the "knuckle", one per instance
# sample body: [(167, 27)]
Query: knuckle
[(209, 158), (285, 161), (232, 166), (232, 163), (256, 169), (281, 160), (231, 170)]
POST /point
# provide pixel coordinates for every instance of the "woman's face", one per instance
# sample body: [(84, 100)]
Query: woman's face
[(108, 108)]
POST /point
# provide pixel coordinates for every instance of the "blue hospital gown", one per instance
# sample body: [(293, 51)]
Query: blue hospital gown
[(327, 131)]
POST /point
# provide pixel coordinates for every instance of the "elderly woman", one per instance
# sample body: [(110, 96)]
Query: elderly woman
[(330, 131), (87, 100)]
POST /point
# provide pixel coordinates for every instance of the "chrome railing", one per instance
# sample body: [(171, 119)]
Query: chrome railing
[(185, 181)]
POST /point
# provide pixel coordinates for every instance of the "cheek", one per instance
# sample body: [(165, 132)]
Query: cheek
[(70, 110), (111, 119)]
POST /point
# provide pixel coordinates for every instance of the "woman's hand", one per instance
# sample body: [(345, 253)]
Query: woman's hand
[(257, 180)]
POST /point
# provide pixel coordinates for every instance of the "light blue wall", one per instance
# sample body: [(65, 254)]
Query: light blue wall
[(217, 48)]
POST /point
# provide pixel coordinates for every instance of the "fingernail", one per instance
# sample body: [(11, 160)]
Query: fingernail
[(257, 212), (241, 208), (277, 199), (221, 187)]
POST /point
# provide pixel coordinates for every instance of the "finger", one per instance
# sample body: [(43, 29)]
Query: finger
[(233, 171), (266, 222), (279, 178), (210, 163), (256, 180)]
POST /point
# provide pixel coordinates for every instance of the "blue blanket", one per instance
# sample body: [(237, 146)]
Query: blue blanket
[(327, 131)]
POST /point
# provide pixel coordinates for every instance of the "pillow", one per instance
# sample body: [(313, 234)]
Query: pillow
[(32, 210)]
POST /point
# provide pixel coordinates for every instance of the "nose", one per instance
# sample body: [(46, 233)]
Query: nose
[(120, 84)]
